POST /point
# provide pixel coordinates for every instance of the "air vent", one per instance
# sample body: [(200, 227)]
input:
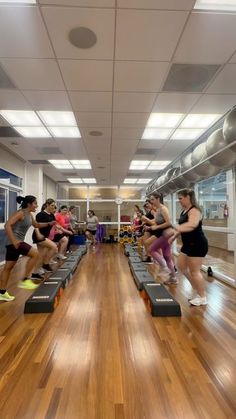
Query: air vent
[(67, 172), (48, 150), (101, 167), (5, 82), (96, 133), (133, 174), (147, 151), (39, 162), (8, 132), (82, 37), (189, 77)]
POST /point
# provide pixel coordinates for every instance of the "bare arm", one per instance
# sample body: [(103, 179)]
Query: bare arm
[(167, 223)]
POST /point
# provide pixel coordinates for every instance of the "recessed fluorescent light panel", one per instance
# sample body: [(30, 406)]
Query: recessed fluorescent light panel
[(187, 134), (139, 164), (158, 164), (199, 120), (61, 164), (157, 134), (65, 132), (130, 181), (164, 120), (143, 181), (19, 1), (21, 118), (33, 132), (75, 180), (222, 5), (81, 164), (89, 180), (58, 118)]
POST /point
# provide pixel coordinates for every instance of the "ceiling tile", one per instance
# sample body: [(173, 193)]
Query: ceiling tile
[(87, 75), (173, 149), (22, 26), (130, 120), (122, 146), (225, 81), (203, 33), (135, 102), (175, 102), (153, 144), (93, 119), (60, 21), (44, 74), (139, 76), (80, 3), (156, 4), (12, 99), (91, 101), (214, 104), (147, 26), (106, 133), (48, 100), (72, 148), (127, 133), (233, 59)]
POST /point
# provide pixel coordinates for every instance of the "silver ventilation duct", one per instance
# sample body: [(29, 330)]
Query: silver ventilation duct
[(207, 159)]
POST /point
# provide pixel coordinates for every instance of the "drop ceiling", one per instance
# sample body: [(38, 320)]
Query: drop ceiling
[(147, 58)]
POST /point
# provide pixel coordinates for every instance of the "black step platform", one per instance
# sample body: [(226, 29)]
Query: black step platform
[(160, 302), (74, 258), (45, 298), (134, 259), (61, 275), (70, 265), (141, 278), (139, 266)]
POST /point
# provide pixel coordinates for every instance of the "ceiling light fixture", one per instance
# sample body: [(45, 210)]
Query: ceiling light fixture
[(157, 134), (139, 164), (61, 164), (81, 164), (158, 164), (21, 118), (199, 120), (89, 180), (58, 118), (66, 132), (130, 180), (222, 5), (75, 180), (164, 120), (18, 1), (187, 134), (33, 132)]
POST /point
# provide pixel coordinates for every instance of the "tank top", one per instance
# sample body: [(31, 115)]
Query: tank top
[(159, 220), (194, 236), (21, 227)]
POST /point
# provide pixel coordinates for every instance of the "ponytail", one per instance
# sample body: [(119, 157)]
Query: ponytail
[(25, 201)]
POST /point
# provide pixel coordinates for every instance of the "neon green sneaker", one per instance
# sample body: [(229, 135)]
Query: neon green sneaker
[(28, 284), (6, 297)]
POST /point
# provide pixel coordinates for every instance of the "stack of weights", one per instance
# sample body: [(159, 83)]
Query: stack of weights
[(126, 235)]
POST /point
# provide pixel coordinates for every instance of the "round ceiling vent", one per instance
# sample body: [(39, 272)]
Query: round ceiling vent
[(95, 133), (82, 37)]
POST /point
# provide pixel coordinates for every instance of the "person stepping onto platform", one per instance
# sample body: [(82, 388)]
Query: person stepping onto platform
[(16, 228)]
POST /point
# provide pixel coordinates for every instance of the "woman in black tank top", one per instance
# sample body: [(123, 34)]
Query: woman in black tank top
[(194, 246)]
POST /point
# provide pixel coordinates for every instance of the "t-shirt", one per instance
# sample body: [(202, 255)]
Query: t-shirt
[(43, 217), (92, 223), (60, 219)]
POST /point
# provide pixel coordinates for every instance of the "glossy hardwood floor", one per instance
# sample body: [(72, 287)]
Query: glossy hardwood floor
[(101, 355)]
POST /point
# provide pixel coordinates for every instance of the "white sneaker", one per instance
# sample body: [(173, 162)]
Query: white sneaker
[(193, 295), (6, 297), (198, 301), (62, 257)]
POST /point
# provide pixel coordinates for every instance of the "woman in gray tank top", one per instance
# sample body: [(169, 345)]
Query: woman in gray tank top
[(16, 228)]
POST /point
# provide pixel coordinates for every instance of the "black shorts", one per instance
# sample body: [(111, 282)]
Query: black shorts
[(195, 249), (58, 237), (12, 254), (93, 232)]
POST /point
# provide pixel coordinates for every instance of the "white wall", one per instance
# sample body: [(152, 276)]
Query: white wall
[(11, 163), (49, 188)]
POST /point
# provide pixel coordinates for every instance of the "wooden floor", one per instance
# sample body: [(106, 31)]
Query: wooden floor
[(101, 355)]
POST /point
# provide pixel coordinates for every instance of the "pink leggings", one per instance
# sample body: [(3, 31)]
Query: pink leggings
[(162, 243)]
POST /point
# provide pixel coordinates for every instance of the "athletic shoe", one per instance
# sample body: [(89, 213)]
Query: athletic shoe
[(61, 257), (37, 276), (6, 297), (53, 262), (41, 271), (171, 281), (193, 295), (198, 301), (47, 267), (147, 259), (28, 284)]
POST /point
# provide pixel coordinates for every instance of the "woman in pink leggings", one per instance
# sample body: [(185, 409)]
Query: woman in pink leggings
[(162, 227)]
